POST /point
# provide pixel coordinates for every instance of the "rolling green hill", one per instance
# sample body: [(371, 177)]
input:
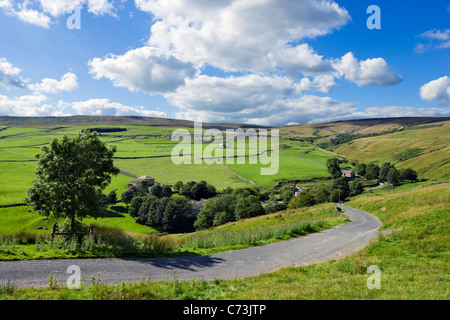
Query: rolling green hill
[(324, 131), (425, 148)]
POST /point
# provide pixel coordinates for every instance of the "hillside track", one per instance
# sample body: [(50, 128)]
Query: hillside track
[(330, 244)]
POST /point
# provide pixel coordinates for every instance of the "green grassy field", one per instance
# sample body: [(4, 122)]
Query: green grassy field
[(431, 144), (413, 259), (144, 150), (289, 169)]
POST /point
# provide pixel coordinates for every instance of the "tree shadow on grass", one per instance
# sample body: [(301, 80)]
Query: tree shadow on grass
[(115, 212)]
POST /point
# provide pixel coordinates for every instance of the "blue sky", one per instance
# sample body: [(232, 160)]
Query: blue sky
[(264, 62)]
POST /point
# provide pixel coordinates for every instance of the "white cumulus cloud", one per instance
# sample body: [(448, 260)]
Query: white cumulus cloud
[(374, 71), (107, 107), (242, 35), (9, 75), (145, 69), (27, 105), (40, 12), (61, 7), (436, 39), (68, 82), (437, 90), (22, 11)]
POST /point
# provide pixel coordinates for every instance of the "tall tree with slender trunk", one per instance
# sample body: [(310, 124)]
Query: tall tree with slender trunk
[(71, 174)]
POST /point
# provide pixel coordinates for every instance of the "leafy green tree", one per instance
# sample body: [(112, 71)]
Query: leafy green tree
[(372, 171), (408, 174), (71, 174), (224, 209), (110, 198), (335, 195), (286, 196), (305, 199), (321, 194), (186, 189), (135, 205), (333, 167), (211, 191), (217, 211), (247, 207), (384, 170), (156, 190), (142, 187), (343, 185), (360, 169), (128, 195), (393, 176), (199, 191), (166, 191), (156, 208), (177, 216), (228, 190), (204, 220), (356, 187), (178, 185)]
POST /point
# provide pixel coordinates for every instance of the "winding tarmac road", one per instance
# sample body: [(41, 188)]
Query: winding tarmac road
[(318, 247)]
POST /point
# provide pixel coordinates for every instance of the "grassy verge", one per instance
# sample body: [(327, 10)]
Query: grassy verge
[(119, 236), (413, 262)]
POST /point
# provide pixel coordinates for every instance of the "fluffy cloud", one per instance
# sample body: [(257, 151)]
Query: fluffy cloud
[(273, 100), (28, 105), (367, 72), (25, 14), (109, 108), (436, 39), (232, 94), (307, 108), (399, 111), (41, 11), (9, 75), (263, 40), (437, 90), (322, 83), (60, 7), (241, 35), (68, 82), (265, 100), (145, 69)]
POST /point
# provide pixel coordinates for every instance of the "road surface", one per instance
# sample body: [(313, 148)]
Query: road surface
[(318, 247)]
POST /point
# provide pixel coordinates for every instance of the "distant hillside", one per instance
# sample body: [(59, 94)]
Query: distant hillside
[(322, 132), (425, 148), (111, 120)]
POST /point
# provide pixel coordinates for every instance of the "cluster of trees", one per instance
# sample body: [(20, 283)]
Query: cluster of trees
[(387, 172), (231, 206), (167, 214), (143, 189), (195, 190), (108, 129), (155, 207), (336, 191)]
